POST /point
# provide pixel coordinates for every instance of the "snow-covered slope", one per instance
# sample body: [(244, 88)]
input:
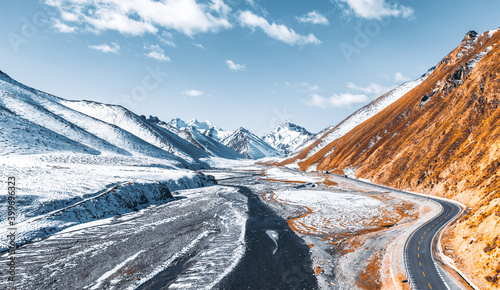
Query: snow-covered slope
[(328, 135), (125, 119), (287, 137), (39, 122), (248, 144)]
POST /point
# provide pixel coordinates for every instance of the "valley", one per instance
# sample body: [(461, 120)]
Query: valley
[(401, 194), (253, 221)]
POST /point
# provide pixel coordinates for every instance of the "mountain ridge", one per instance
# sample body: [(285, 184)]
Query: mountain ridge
[(440, 138)]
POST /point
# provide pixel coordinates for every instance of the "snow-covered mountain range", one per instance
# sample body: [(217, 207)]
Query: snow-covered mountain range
[(195, 134), (287, 137), (251, 146), (36, 122), (206, 128)]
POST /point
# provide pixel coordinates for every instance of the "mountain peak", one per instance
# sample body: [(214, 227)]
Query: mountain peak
[(177, 123), (471, 35), (287, 137), (4, 76), (241, 129), (249, 145)]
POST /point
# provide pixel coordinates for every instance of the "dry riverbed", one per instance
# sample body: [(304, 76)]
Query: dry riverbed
[(355, 232)]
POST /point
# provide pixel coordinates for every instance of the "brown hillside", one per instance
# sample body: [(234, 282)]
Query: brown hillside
[(441, 138)]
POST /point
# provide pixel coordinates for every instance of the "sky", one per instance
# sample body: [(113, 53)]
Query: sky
[(237, 63)]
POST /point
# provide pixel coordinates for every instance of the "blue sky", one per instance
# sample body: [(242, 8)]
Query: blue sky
[(247, 63)]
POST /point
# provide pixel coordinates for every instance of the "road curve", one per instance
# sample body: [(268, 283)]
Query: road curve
[(422, 269), (419, 252)]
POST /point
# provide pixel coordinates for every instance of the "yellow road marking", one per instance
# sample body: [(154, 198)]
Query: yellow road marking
[(425, 233), (423, 273), (429, 285), (418, 255), (418, 249), (429, 229), (420, 264), (422, 237), (419, 242)]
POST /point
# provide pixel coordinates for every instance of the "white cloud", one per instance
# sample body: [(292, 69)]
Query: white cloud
[(313, 17), (220, 7), (372, 89), (400, 78), (250, 2), (144, 16), (167, 38), (61, 27), (193, 93), (199, 45), (106, 48), (309, 87), (377, 9), (277, 31), (156, 52), (335, 101), (234, 66)]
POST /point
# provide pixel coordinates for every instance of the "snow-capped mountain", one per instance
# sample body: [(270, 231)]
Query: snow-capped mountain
[(195, 137), (206, 128), (177, 123), (248, 144), (37, 122), (287, 137)]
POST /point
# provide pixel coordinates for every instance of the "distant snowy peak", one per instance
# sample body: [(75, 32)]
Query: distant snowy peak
[(196, 138), (206, 128), (287, 137), (249, 145), (206, 125), (177, 123)]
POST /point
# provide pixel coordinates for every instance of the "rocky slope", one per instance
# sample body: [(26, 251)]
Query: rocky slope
[(316, 142), (441, 138)]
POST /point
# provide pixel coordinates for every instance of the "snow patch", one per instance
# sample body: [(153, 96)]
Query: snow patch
[(274, 236), (114, 270), (474, 61), (289, 175)]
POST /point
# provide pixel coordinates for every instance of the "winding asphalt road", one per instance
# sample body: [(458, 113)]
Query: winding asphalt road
[(423, 270)]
